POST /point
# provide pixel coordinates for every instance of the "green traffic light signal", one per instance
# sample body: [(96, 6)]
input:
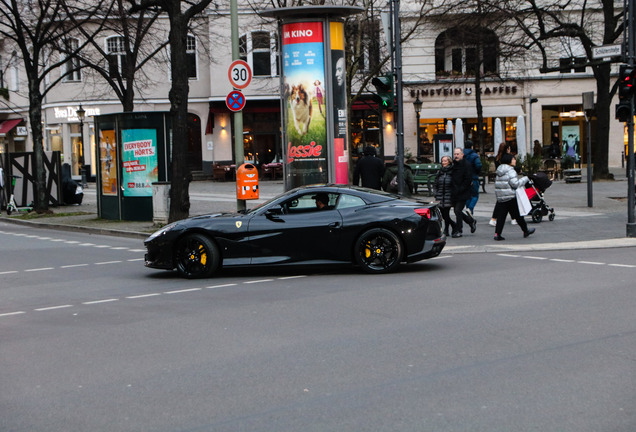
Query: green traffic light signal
[(384, 87)]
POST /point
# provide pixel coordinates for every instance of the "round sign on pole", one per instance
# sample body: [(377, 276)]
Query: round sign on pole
[(235, 101), (240, 74)]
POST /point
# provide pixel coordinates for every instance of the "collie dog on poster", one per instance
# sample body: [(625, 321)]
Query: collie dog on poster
[(301, 108)]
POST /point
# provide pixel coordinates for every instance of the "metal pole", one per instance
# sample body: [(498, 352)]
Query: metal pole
[(397, 74), (530, 118), (239, 152), (590, 167), (82, 162), (631, 225)]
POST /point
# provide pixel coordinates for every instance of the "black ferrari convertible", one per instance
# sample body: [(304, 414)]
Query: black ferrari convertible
[(318, 224)]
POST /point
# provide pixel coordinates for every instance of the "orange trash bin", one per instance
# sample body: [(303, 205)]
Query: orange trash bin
[(246, 182)]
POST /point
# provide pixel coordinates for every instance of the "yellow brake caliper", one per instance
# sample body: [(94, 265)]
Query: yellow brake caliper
[(204, 256)]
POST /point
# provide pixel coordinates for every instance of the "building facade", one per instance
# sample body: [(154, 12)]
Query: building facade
[(435, 71)]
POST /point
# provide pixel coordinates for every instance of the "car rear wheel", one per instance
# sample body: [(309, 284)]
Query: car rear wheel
[(197, 256), (378, 251)]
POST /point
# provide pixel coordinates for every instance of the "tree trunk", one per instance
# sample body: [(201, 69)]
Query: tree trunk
[(41, 199), (181, 177)]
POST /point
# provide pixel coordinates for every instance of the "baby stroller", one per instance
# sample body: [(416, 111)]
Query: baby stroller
[(535, 188)]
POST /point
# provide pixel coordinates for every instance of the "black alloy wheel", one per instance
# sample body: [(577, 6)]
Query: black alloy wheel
[(196, 256), (378, 250)]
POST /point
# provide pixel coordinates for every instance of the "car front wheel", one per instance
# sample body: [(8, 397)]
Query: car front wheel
[(378, 251), (196, 256)]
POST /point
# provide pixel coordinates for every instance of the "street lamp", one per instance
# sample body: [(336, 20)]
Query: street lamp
[(81, 112), (417, 104)]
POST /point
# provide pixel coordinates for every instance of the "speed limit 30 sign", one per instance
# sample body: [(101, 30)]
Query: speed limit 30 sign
[(240, 74)]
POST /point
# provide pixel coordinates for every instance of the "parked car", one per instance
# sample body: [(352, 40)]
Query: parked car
[(371, 229)]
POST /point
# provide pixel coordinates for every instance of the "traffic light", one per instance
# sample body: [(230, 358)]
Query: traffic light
[(384, 87), (626, 85), (626, 88)]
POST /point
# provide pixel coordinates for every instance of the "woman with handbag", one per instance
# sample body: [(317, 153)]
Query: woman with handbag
[(506, 185)]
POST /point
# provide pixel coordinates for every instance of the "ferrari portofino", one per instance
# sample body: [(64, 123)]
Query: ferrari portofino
[(318, 224)]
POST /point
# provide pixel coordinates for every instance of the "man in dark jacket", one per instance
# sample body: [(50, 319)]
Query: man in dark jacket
[(472, 157), (408, 182), (370, 169), (461, 192)]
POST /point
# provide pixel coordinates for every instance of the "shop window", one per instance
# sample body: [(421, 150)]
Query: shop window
[(259, 50), (116, 56), (71, 67), (463, 52)]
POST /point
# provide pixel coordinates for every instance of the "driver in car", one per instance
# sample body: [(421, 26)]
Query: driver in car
[(322, 201)]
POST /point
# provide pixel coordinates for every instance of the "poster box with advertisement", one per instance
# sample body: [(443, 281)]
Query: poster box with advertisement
[(443, 146), (132, 154)]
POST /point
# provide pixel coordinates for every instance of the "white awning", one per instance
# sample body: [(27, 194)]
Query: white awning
[(471, 112)]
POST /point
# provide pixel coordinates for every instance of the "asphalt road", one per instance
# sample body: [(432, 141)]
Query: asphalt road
[(90, 340)]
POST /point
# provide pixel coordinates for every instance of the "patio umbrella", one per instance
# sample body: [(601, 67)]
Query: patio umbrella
[(498, 135), (521, 137), (459, 134), (449, 127)]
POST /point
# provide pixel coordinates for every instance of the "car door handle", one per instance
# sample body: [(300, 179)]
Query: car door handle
[(334, 225)]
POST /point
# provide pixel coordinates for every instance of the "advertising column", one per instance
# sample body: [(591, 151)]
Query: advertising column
[(339, 92), (303, 99)]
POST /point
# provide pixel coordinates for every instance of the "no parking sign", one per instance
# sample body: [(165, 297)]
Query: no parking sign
[(235, 101)]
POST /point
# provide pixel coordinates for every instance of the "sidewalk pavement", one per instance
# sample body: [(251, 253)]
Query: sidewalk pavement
[(576, 226)]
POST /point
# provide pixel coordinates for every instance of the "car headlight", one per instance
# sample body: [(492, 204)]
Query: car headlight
[(161, 232)]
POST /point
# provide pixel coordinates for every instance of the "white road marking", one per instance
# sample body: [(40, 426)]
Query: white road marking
[(12, 313), (119, 248), (8, 272), (258, 281), (71, 242), (221, 286), (53, 307), (533, 257), (562, 260), (74, 265), (87, 244), (39, 269), (591, 262), (135, 259), (102, 246), (182, 291), (292, 277), (107, 262), (622, 265), (101, 301), (143, 296)]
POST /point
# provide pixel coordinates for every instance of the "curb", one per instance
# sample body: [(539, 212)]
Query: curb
[(77, 228)]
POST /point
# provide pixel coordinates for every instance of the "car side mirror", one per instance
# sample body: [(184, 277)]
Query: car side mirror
[(274, 213)]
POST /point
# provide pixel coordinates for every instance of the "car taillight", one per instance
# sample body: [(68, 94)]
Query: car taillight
[(424, 212)]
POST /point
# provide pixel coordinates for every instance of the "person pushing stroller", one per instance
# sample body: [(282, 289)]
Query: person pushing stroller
[(505, 185)]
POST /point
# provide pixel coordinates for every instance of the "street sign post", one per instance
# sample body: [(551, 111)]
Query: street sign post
[(605, 51), (240, 74), (235, 101)]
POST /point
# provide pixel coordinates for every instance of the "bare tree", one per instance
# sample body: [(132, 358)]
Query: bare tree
[(493, 48), (548, 22), (180, 14), (36, 28), (141, 41)]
